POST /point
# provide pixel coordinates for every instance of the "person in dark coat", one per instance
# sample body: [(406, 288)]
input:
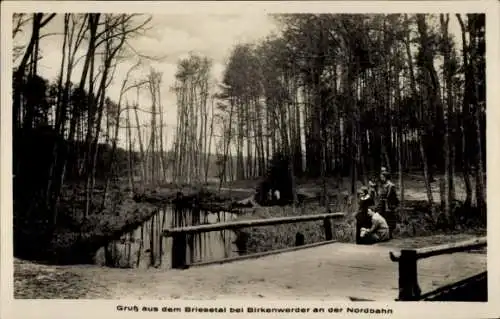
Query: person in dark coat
[(363, 220), (373, 190), (388, 201)]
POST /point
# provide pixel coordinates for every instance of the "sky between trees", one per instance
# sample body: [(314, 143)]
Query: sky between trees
[(169, 39)]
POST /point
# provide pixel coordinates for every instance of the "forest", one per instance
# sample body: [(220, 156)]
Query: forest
[(337, 96)]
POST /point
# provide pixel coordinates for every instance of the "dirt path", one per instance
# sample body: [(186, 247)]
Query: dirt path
[(331, 272)]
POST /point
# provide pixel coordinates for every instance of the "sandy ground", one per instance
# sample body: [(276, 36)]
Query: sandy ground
[(331, 272)]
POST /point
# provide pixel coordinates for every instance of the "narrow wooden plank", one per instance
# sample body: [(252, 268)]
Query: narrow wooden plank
[(427, 252), (250, 223)]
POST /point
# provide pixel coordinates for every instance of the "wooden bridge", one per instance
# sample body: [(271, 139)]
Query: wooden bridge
[(351, 271)]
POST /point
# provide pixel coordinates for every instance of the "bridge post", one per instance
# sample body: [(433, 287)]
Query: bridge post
[(299, 239), (179, 245), (408, 281), (327, 225)]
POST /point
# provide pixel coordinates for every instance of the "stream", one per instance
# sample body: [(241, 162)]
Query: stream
[(145, 247)]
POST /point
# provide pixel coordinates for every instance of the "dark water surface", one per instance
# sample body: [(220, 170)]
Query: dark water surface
[(145, 247)]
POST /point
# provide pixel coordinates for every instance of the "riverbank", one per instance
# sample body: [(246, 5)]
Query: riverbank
[(77, 237)]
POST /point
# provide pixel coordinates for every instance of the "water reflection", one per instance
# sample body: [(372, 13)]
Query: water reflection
[(144, 247)]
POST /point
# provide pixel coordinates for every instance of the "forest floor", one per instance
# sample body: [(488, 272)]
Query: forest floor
[(413, 183), (362, 271)]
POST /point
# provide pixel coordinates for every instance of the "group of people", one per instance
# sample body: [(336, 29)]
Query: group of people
[(377, 216)]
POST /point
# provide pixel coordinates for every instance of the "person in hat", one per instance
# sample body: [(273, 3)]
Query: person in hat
[(379, 230), (388, 200), (363, 220)]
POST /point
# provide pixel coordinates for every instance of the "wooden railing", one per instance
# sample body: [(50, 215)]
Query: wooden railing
[(409, 289), (180, 235)]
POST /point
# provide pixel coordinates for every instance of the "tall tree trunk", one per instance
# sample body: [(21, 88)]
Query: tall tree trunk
[(19, 74), (141, 145), (399, 132), (421, 132), (209, 148), (465, 120), (480, 180), (130, 152), (226, 146), (448, 164)]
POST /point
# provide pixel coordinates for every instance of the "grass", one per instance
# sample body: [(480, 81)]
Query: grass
[(267, 238)]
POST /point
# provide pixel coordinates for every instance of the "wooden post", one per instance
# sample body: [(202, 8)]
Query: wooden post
[(328, 229), (408, 282), (179, 246), (299, 239)]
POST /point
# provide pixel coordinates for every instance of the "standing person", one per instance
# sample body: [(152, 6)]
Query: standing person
[(373, 189), (276, 196), (379, 230), (363, 220), (388, 200)]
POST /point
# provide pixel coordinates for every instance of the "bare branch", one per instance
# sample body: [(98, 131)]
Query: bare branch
[(81, 32), (47, 20), (144, 56), (19, 22), (124, 32), (50, 34)]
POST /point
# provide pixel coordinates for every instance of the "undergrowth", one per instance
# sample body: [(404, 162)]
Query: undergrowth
[(416, 220)]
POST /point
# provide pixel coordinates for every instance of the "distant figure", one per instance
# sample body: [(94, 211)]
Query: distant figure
[(378, 232), (263, 192), (373, 189), (388, 201), (276, 195), (363, 220)]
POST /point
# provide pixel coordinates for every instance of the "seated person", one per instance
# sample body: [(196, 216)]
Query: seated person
[(379, 230), (363, 220)]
